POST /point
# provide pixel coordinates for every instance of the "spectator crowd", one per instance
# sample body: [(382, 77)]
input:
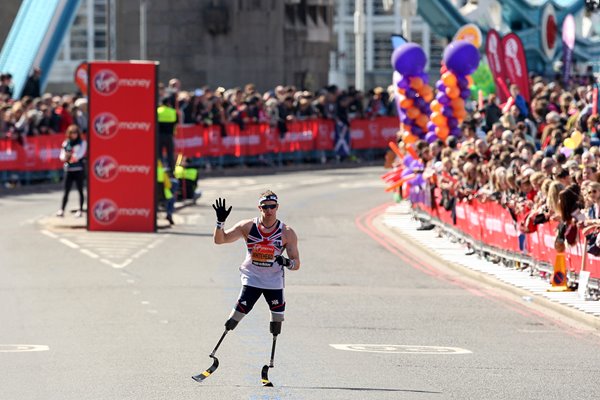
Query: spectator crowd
[(540, 160), (35, 114)]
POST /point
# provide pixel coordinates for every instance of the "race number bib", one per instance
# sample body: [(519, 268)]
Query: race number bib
[(263, 255)]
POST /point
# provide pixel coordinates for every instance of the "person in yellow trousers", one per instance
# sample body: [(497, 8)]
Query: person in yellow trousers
[(166, 188)]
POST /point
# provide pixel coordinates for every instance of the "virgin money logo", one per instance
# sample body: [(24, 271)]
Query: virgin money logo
[(105, 168), (106, 125), (106, 82), (105, 211)]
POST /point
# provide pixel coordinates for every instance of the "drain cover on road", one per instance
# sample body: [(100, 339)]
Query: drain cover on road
[(16, 348), (400, 349)]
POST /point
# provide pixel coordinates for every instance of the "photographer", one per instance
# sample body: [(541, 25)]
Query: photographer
[(73, 154)]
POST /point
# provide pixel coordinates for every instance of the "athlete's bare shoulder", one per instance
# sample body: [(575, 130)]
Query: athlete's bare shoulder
[(245, 225), (288, 233)]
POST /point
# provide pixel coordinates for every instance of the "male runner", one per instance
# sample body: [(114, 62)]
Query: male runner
[(262, 270)]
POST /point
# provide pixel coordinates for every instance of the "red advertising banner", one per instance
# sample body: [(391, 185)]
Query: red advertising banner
[(122, 153), (495, 57), (38, 153), (516, 63), (496, 228)]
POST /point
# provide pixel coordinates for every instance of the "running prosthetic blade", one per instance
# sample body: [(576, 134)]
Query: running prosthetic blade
[(265, 377), (201, 377)]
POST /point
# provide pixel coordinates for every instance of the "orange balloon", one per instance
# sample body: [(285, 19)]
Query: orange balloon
[(427, 96), (442, 132), (409, 138), (406, 103), (407, 128), (452, 92), (435, 106), (449, 79), (422, 121), (416, 83), (457, 103), (460, 114), (439, 119), (413, 112)]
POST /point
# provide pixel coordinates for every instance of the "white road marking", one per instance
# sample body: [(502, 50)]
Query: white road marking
[(49, 234), (400, 349), (139, 253), (89, 253), (144, 302), (21, 348), (67, 242)]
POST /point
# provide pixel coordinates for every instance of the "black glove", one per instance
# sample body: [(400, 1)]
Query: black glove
[(219, 207), (284, 262)]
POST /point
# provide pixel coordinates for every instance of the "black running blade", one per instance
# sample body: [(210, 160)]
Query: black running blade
[(265, 376), (201, 377)]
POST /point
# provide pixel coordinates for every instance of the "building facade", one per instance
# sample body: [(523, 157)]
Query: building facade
[(202, 42), (380, 23)]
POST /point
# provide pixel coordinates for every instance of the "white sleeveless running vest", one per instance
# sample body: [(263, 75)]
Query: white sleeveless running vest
[(260, 269)]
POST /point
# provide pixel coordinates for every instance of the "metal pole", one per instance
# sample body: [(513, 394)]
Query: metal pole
[(143, 31), (359, 47), (108, 35), (406, 16)]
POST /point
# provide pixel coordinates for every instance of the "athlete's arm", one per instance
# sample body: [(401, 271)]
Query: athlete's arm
[(291, 248), (230, 235)]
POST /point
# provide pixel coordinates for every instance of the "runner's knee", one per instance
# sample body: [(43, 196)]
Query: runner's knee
[(234, 318)]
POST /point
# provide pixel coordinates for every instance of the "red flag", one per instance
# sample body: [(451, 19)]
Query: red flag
[(515, 63), (493, 52)]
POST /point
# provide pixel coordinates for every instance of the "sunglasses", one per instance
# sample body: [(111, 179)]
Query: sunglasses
[(268, 207)]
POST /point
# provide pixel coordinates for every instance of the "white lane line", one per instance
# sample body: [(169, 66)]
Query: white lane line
[(49, 234), (123, 265), (400, 349), (67, 242), (18, 348), (89, 253), (144, 302), (139, 253)]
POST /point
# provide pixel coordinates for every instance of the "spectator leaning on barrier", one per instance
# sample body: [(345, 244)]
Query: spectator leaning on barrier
[(32, 86)]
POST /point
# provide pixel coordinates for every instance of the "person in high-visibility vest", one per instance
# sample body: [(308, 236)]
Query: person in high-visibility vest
[(187, 178), (167, 121), (166, 188)]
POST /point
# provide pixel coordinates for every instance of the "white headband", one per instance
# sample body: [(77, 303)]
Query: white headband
[(269, 197)]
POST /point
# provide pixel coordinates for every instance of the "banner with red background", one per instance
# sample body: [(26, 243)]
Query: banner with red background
[(495, 57), (516, 63), (497, 228), (122, 151)]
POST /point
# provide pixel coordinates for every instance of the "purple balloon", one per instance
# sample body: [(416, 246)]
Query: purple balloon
[(408, 159), (452, 122), (447, 112), (431, 137), (456, 132), (439, 85), (409, 59), (443, 99), (418, 181), (410, 93), (404, 83), (420, 102), (465, 93), (405, 120), (463, 83), (461, 57), (416, 130), (431, 126)]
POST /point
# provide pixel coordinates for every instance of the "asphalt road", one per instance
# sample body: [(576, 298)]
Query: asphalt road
[(134, 316)]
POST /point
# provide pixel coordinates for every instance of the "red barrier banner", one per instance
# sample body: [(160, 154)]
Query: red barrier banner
[(516, 63), (37, 153), (495, 57), (497, 229), (372, 134), (122, 155)]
